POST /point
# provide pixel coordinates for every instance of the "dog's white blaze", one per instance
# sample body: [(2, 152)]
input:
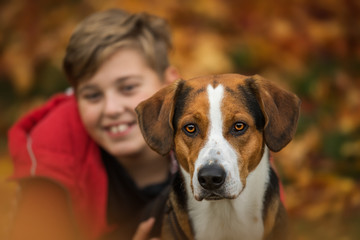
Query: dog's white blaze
[(217, 149), (231, 218)]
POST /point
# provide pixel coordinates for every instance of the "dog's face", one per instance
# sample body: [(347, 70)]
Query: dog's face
[(218, 127), (217, 139)]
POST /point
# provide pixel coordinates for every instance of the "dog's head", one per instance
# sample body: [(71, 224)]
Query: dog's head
[(218, 127)]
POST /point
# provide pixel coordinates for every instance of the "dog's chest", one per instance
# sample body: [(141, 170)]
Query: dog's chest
[(224, 222)]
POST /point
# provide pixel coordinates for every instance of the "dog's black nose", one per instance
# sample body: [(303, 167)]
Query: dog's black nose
[(211, 177)]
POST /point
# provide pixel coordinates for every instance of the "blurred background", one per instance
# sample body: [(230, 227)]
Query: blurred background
[(310, 47)]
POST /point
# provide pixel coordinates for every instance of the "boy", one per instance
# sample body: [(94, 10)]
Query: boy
[(84, 169)]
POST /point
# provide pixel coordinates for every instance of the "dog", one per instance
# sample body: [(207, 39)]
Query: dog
[(221, 129)]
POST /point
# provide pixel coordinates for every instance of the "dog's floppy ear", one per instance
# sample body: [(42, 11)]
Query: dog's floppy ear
[(281, 111), (155, 119)]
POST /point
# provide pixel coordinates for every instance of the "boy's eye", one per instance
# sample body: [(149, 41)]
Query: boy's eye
[(128, 88), (92, 96)]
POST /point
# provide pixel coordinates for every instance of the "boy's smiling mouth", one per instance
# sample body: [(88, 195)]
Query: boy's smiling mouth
[(119, 129)]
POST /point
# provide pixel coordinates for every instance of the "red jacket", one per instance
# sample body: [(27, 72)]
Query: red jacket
[(51, 142)]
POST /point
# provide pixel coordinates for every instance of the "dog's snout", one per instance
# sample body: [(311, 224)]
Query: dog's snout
[(211, 177)]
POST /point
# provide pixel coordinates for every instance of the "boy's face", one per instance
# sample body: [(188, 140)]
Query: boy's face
[(107, 101)]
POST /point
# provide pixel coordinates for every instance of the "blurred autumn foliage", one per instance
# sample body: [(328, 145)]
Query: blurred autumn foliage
[(311, 47)]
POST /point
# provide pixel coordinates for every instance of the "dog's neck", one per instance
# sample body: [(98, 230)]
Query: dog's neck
[(237, 217)]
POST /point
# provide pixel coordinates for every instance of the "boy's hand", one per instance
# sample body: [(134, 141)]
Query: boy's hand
[(143, 231)]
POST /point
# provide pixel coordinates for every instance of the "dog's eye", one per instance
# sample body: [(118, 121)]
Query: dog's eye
[(190, 129), (239, 128)]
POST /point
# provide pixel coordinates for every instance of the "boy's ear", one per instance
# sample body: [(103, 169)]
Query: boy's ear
[(155, 119), (171, 75)]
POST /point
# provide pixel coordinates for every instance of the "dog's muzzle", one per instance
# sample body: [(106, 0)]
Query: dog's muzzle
[(211, 178)]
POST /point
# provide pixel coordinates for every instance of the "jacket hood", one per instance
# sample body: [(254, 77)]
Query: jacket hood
[(51, 142)]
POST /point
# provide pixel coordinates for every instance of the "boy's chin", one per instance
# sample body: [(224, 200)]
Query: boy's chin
[(128, 150)]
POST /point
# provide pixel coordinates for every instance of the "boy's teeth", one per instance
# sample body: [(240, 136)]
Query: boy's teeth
[(113, 129), (119, 128), (122, 127)]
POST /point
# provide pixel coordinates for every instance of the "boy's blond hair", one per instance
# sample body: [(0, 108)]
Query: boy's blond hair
[(101, 34)]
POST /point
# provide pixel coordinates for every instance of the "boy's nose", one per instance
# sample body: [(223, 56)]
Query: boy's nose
[(113, 107)]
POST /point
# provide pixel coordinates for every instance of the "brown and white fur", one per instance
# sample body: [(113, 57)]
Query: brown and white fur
[(221, 128)]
